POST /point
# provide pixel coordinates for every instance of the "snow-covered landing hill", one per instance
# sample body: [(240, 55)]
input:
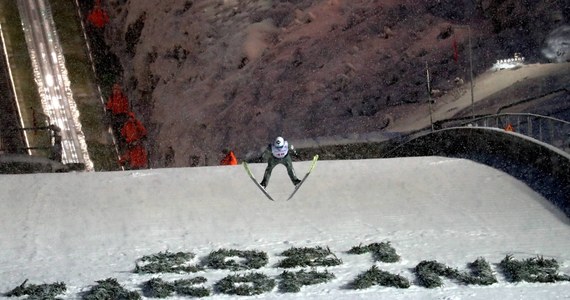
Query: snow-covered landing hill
[(82, 227)]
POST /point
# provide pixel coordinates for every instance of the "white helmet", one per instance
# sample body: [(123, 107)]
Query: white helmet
[(279, 142)]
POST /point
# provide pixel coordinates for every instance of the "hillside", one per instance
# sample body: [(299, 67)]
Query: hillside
[(208, 75)]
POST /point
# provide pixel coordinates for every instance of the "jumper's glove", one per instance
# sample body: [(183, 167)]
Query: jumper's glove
[(292, 149)]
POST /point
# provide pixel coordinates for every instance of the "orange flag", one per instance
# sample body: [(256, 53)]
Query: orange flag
[(229, 160)]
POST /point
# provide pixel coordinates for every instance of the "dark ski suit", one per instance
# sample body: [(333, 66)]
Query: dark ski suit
[(279, 156)]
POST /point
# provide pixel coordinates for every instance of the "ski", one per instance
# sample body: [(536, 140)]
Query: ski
[(315, 158), (255, 181)]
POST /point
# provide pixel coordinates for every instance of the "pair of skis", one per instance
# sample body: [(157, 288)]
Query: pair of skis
[(315, 158)]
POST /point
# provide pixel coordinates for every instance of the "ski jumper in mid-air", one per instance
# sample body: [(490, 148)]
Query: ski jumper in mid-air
[(279, 153)]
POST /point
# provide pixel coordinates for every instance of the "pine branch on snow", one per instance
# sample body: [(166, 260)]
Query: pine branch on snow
[(245, 284), (429, 272), (42, 291), (481, 273), (167, 262), (158, 288), (252, 259), (375, 276), (292, 282), (308, 257), (534, 269), (383, 252), (110, 289), (187, 287)]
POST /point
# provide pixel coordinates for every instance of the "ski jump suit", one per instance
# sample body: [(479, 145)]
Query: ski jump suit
[(279, 155)]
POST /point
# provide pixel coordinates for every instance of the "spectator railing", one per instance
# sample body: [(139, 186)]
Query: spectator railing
[(546, 129)]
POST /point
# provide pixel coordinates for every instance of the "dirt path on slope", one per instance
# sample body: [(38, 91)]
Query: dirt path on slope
[(485, 85)]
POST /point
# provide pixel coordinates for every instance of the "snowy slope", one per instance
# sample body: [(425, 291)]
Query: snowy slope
[(82, 227)]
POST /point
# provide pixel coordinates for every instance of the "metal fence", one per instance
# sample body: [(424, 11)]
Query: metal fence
[(546, 129), (46, 138)]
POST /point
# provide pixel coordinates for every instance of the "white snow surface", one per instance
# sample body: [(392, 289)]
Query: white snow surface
[(82, 227)]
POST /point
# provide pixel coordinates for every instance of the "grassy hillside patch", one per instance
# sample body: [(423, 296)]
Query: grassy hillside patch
[(21, 68)]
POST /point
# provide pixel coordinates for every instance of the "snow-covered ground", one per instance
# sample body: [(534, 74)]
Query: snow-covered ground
[(81, 227)]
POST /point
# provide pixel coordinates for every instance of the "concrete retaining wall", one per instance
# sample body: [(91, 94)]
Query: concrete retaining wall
[(542, 167)]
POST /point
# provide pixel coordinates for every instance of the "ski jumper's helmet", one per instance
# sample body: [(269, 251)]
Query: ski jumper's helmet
[(279, 142)]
